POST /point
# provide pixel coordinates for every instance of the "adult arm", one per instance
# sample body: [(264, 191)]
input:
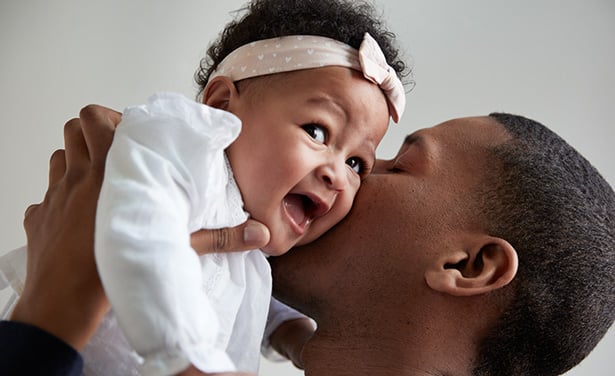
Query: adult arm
[(63, 300)]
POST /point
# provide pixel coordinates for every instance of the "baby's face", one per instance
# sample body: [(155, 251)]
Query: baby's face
[(308, 139)]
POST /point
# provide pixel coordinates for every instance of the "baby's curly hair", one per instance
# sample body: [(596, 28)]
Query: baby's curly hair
[(346, 21)]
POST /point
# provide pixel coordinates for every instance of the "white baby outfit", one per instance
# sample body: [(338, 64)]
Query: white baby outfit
[(167, 176)]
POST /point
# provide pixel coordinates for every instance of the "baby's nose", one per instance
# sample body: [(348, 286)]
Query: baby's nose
[(333, 175)]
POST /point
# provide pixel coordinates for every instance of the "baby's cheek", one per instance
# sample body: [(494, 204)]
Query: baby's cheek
[(345, 203)]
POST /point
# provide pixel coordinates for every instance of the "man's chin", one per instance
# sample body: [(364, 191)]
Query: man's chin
[(276, 260), (273, 260), (284, 265)]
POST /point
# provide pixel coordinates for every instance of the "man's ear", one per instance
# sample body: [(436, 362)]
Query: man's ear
[(219, 92), (491, 263)]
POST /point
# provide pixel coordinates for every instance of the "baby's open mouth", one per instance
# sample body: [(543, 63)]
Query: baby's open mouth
[(300, 209)]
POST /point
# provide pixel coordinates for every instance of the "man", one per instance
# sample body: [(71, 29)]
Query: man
[(485, 247)]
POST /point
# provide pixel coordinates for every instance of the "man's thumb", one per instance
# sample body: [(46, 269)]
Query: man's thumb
[(248, 235)]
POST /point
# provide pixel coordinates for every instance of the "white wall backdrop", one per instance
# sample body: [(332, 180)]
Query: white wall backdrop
[(552, 60)]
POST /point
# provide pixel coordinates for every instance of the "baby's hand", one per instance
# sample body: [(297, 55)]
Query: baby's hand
[(290, 337)]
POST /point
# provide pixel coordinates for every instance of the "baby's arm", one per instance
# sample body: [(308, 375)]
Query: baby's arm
[(286, 333), (149, 271)]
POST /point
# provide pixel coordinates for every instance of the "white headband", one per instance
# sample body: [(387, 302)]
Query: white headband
[(296, 52)]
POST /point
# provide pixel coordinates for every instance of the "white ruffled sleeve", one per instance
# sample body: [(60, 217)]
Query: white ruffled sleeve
[(163, 155)]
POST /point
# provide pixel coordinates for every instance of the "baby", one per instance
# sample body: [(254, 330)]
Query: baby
[(287, 129)]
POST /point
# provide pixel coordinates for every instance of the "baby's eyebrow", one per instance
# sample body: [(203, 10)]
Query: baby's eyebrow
[(329, 104)]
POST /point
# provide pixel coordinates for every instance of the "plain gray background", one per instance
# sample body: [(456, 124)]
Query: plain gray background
[(550, 60)]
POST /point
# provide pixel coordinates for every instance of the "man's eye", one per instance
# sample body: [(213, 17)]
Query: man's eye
[(356, 164), (317, 132)]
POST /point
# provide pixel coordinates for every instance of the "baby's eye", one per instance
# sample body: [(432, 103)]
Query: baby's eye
[(317, 132), (357, 164)]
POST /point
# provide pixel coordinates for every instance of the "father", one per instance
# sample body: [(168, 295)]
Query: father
[(485, 247)]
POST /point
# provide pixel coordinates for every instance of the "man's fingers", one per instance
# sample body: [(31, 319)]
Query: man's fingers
[(98, 124), (249, 235), (77, 158), (28, 213), (57, 167)]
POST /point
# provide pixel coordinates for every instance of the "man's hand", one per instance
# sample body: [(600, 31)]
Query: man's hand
[(249, 235), (62, 292)]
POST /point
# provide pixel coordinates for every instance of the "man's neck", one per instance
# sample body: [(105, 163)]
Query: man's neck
[(333, 354)]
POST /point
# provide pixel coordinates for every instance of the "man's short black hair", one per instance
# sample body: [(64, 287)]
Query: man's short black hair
[(558, 212)]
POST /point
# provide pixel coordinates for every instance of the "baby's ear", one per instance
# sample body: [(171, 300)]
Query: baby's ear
[(489, 264), (219, 92)]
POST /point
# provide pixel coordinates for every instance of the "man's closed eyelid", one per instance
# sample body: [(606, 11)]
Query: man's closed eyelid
[(369, 168)]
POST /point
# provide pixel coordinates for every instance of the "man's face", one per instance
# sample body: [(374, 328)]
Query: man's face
[(406, 213)]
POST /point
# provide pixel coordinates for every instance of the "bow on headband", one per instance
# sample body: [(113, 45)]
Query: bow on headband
[(296, 52)]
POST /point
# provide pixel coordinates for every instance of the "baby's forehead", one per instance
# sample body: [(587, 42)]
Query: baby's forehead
[(324, 95)]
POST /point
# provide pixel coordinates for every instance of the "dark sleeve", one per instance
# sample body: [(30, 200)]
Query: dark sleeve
[(28, 350)]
